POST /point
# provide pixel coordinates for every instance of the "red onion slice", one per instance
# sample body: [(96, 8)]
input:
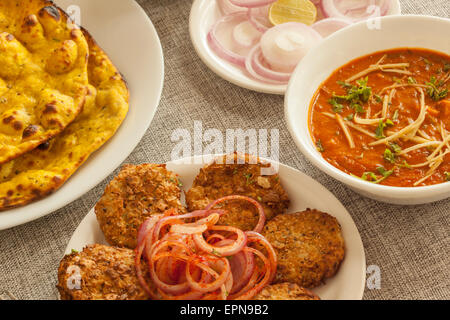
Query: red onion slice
[(223, 251), (147, 226), (242, 267), (257, 70), (259, 17), (224, 45), (355, 10), (329, 26), (227, 7), (251, 3)]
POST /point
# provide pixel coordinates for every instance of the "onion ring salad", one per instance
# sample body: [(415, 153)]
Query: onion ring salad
[(268, 38), (190, 257)]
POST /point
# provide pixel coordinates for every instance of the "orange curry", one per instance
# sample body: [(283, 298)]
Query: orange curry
[(385, 118)]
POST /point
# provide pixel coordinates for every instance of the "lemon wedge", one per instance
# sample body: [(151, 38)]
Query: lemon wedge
[(303, 11)]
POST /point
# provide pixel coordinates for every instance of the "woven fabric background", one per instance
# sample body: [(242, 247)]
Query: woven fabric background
[(411, 245)]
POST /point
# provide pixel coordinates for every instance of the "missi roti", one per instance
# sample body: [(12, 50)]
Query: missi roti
[(45, 169), (43, 74)]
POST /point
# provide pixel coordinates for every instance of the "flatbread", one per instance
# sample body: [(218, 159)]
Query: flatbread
[(43, 74), (45, 169)]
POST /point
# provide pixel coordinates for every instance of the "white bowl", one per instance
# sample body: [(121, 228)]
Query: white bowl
[(345, 45)]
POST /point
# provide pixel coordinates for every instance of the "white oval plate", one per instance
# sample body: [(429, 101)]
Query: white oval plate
[(304, 192), (203, 15), (127, 35)]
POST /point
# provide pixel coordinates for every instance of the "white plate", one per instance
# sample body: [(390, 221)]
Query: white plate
[(203, 15), (304, 192), (127, 35)]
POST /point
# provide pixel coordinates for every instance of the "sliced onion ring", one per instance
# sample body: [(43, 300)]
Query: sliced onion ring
[(347, 9), (220, 279), (223, 251), (256, 69), (254, 16), (243, 266), (223, 52), (182, 265), (251, 3), (329, 26), (227, 7)]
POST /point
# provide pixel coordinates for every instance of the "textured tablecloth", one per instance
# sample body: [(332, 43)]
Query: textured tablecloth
[(411, 245)]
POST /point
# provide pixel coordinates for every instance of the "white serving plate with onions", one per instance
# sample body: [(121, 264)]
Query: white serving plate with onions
[(204, 14), (304, 192)]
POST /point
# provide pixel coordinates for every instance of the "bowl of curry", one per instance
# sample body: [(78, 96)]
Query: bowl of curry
[(370, 106)]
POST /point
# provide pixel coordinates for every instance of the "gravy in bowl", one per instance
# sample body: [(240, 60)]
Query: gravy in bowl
[(385, 118)]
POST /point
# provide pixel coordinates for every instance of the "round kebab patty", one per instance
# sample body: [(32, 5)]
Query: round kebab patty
[(309, 247), (134, 195), (225, 177), (99, 272)]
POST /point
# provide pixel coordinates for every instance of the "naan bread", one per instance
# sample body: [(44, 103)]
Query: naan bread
[(43, 74), (45, 169)]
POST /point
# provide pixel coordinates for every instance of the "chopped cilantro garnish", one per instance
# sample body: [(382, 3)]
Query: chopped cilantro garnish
[(405, 164), (435, 90), (358, 108), (74, 251), (248, 176), (389, 156), (395, 147), (378, 98), (356, 96), (370, 175), (350, 117), (411, 80), (379, 132), (385, 173), (344, 84), (447, 176), (319, 146), (337, 107), (389, 122), (373, 178), (397, 80)]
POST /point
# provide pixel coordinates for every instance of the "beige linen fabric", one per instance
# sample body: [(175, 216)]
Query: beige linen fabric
[(411, 245)]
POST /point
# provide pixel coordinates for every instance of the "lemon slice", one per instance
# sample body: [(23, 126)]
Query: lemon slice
[(283, 11)]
